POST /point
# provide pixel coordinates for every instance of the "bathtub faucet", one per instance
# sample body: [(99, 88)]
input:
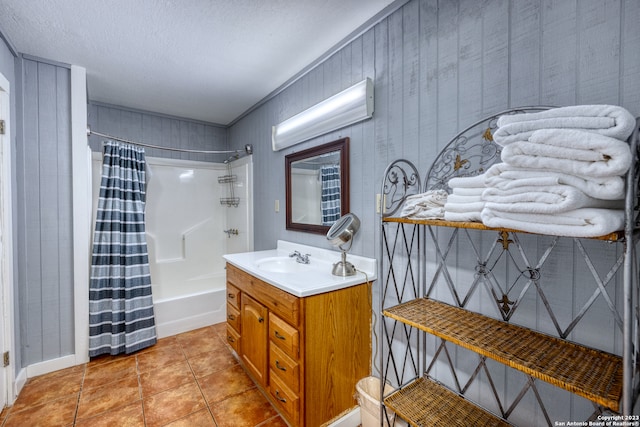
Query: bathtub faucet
[(231, 231), (302, 259)]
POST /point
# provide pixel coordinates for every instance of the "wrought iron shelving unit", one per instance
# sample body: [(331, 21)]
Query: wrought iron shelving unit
[(460, 301)]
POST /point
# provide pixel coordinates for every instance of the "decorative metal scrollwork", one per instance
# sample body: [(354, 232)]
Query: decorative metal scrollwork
[(504, 239), (534, 273), (470, 153), (505, 304), (481, 269), (401, 179)]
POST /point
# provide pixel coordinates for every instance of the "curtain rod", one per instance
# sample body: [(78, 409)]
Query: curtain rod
[(248, 149)]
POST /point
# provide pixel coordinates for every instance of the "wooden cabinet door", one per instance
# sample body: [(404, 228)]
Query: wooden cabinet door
[(254, 338)]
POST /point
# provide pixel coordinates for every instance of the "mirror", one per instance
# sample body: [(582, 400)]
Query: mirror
[(341, 233), (313, 175)]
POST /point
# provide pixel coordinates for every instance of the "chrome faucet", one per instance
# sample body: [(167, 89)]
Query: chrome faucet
[(302, 259), (231, 231)]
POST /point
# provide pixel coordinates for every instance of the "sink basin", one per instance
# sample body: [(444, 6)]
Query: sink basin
[(281, 264)]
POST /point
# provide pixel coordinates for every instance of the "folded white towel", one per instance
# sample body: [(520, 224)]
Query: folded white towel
[(428, 205), (472, 191), (570, 151), (462, 216), (543, 200), (585, 222), (467, 181), (506, 177), (457, 198), (431, 213), (464, 207), (608, 120)]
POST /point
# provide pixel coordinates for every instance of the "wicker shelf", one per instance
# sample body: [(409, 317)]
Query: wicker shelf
[(424, 402), (611, 237), (590, 373)]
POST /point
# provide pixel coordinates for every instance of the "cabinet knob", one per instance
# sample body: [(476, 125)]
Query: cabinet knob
[(231, 296), (230, 339), (231, 317), (280, 337), (281, 399), (260, 319), (282, 368)]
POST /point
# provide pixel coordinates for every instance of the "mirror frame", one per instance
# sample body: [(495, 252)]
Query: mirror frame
[(341, 145)]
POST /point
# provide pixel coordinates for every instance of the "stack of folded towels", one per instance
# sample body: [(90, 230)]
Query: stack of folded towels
[(465, 201), (562, 171), (428, 205)]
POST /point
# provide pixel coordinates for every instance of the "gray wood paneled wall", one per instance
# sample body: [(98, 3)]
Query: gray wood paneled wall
[(438, 66), (157, 129), (43, 220)]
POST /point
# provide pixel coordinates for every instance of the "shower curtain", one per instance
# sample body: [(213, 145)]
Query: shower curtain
[(330, 193), (121, 318)]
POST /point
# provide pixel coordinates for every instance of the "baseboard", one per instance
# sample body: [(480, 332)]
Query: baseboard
[(167, 329), (20, 381), (52, 365), (350, 419)]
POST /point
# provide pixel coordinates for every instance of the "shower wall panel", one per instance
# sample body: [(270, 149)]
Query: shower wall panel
[(186, 223)]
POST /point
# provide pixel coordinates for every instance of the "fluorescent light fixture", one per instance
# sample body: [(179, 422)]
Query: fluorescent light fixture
[(343, 109)]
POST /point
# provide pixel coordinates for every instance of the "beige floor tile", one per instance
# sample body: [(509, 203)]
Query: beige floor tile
[(128, 416), (53, 413), (246, 409), (225, 383), (111, 396), (171, 405), (165, 377)]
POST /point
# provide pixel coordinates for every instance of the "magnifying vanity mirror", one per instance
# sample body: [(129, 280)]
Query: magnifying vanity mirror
[(342, 233), (317, 186)]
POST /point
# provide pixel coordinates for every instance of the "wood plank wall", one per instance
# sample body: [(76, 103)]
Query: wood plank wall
[(157, 129), (43, 220), (44, 253), (437, 66)]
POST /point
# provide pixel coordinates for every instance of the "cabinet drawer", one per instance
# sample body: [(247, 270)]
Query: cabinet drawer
[(286, 305), (233, 296), (285, 399), (233, 339), (284, 336), (285, 368), (233, 317)]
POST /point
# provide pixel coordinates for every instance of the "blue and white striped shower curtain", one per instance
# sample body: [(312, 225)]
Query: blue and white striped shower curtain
[(330, 193), (121, 318)]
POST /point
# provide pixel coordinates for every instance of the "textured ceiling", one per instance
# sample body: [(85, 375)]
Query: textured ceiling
[(208, 60)]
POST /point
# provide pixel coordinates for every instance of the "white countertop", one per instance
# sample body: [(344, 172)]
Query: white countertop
[(318, 279)]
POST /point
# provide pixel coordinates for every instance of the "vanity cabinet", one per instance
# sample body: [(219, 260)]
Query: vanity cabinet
[(254, 332), (305, 353)]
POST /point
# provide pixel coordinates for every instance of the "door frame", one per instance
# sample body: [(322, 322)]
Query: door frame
[(7, 389)]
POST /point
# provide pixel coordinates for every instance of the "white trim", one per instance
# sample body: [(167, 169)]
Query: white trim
[(7, 251), (20, 381), (350, 419), (51, 365), (81, 172)]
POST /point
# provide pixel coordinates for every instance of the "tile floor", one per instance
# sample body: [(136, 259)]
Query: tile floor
[(188, 380)]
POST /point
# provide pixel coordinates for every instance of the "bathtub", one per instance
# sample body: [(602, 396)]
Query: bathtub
[(182, 313), (186, 238)]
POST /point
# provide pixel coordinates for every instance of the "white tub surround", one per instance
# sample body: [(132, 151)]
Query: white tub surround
[(303, 280)]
